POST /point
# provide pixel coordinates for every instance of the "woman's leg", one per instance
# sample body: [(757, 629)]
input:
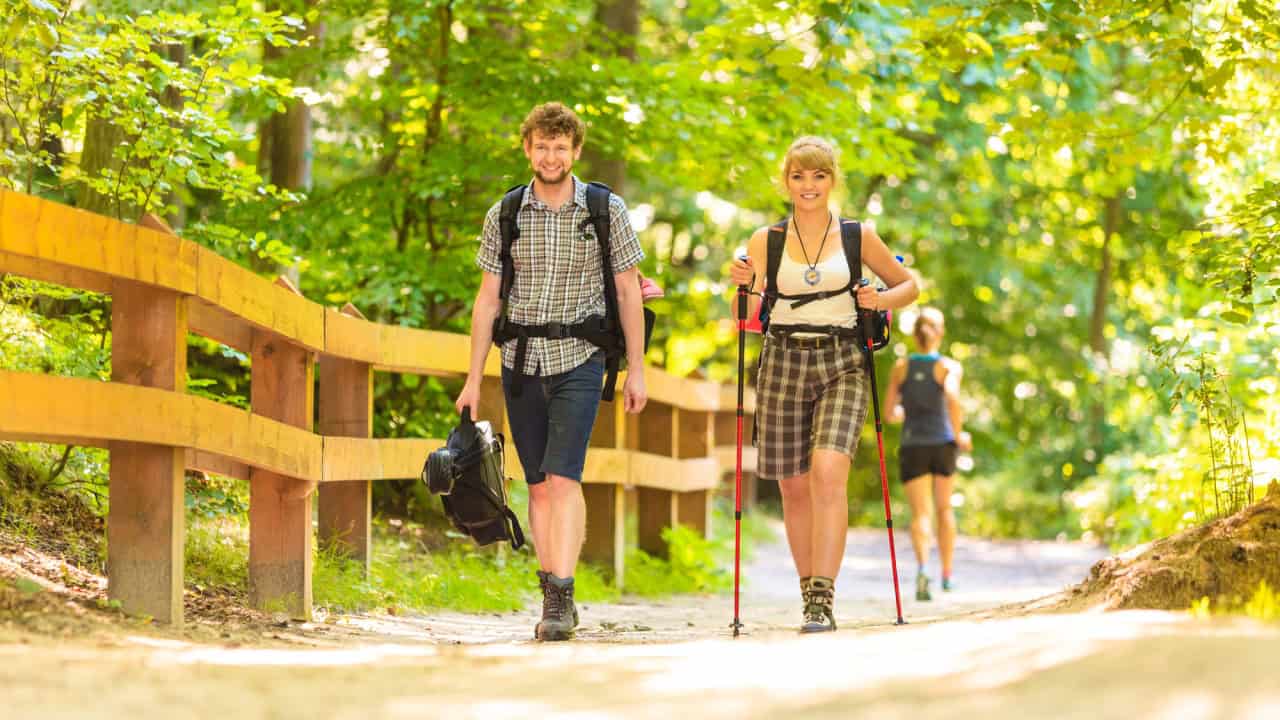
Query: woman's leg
[(918, 497), (829, 483), (946, 521), (797, 517)]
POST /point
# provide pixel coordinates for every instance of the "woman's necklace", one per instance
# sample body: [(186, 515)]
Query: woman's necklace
[(811, 276)]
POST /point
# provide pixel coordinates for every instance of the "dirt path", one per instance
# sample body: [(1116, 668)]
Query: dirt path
[(965, 654)]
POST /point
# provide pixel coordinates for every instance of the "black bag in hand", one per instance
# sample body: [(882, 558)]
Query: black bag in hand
[(467, 475)]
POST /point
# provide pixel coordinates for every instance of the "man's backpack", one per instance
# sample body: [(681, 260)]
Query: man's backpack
[(603, 332), (874, 322), (467, 474)]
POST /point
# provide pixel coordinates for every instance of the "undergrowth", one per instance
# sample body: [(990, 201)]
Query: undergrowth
[(1264, 605)]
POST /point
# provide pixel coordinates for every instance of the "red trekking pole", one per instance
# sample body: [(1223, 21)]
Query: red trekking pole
[(864, 321), (737, 475)]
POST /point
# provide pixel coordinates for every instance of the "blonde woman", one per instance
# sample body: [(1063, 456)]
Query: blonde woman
[(812, 385), (924, 395)]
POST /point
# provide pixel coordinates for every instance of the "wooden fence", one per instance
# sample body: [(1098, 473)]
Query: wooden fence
[(670, 458)]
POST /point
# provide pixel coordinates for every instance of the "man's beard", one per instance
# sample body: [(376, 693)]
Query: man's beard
[(564, 175)]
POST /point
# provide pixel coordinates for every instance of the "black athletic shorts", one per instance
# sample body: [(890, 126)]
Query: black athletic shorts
[(927, 460)]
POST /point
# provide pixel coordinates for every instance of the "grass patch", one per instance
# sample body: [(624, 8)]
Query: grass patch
[(217, 553), (459, 577), (1263, 605), (695, 564)]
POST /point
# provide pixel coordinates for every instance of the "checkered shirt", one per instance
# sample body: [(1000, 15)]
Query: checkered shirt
[(558, 275)]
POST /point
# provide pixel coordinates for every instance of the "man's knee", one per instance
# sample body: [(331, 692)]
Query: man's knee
[(540, 492), (559, 487)]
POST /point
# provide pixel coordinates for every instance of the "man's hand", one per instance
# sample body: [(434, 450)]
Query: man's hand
[(469, 398), (634, 395), (964, 442)]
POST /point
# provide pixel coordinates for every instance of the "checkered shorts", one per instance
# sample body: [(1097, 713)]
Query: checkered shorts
[(810, 393)]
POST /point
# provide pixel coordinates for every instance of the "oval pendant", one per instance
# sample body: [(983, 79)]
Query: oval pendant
[(812, 276)]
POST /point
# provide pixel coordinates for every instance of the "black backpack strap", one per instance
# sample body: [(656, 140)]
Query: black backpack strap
[(851, 236), (511, 202), (510, 230), (598, 211), (775, 245)]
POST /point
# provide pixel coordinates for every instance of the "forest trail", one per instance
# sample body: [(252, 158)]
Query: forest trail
[(982, 649)]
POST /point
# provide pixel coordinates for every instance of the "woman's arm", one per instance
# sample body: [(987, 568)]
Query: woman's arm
[(902, 287), (951, 393), (751, 272), (891, 393)]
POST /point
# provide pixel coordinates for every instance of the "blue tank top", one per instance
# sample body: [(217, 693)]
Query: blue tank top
[(926, 421)]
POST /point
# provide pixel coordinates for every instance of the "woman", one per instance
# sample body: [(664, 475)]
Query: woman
[(812, 388), (924, 395)]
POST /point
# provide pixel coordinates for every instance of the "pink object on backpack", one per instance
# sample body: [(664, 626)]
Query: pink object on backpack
[(649, 289)]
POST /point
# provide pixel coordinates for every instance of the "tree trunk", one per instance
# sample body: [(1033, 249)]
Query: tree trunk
[(621, 18), (284, 153), (1098, 319), (1102, 287), (101, 138), (284, 140), (172, 98)]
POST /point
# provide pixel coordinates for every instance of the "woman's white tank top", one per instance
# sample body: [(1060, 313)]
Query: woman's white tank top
[(835, 311)]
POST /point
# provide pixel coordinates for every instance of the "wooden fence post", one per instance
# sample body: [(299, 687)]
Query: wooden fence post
[(280, 557), (145, 523), (346, 409), (607, 502)]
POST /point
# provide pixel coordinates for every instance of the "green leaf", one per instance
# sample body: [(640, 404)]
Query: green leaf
[(1235, 316), (47, 35)]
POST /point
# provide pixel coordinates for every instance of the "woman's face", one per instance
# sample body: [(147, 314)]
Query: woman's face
[(809, 189)]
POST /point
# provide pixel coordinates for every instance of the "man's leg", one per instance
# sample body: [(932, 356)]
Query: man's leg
[(540, 513), (566, 525), (573, 399)]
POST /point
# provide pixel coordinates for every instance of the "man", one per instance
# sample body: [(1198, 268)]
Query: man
[(552, 374)]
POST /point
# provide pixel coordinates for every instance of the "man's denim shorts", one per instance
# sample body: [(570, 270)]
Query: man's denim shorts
[(551, 421)]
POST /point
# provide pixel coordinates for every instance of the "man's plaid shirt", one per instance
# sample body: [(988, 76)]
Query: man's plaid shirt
[(558, 275)]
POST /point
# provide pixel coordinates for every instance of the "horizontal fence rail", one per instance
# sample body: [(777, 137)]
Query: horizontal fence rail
[(671, 458)]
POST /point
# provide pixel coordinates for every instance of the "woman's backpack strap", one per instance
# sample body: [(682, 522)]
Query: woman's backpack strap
[(777, 243), (851, 236)]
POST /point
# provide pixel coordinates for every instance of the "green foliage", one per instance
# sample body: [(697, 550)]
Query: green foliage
[(1074, 183), (1263, 605), (216, 554), (695, 566), (456, 577)]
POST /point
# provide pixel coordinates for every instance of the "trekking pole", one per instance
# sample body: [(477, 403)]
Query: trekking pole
[(737, 474), (864, 321)]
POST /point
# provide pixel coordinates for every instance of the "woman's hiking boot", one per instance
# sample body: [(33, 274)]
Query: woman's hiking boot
[(559, 613), (818, 615), (946, 584), (922, 588)]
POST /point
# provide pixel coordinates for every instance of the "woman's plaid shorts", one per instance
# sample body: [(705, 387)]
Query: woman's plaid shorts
[(810, 393)]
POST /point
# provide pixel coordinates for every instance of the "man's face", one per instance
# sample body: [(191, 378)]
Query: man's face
[(551, 156)]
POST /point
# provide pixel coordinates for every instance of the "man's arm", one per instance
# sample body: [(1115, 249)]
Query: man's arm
[(483, 313), (631, 315)]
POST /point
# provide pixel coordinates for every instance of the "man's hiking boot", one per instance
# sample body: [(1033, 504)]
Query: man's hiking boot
[(922, 588), (818, 615), (559, 613)]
